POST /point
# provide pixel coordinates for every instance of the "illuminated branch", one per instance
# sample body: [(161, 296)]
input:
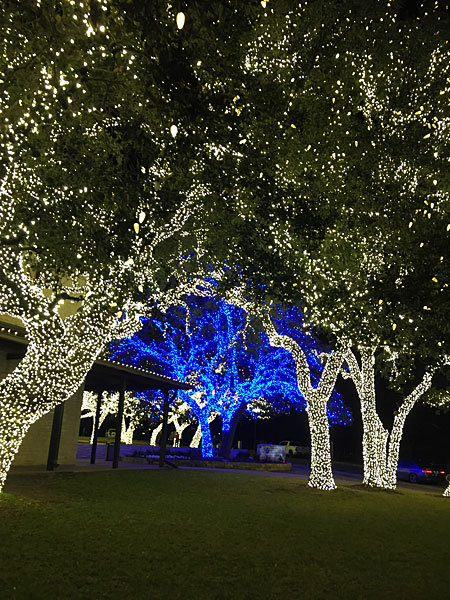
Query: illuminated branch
[(390, 479)]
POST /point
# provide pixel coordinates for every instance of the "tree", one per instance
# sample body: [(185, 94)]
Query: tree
[(136, 411), (129, 144), (204, 341), (180, 415), (316, 371), (368, 142), (110, 118), (209, 342)]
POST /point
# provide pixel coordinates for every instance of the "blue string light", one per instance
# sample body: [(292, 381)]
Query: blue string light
[(233, 367)]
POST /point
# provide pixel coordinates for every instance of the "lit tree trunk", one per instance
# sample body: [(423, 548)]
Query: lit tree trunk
[(154, 435), (207, 448), (375, 436), (14, 425), (127, 432), (196, 438), (316, 401), (57, 360), (198, 435), (380, 448), (447, 491), (101, 420), (157, 430), (179, 428), (229, 430), (390, 478), (48, 374), (321, 468)]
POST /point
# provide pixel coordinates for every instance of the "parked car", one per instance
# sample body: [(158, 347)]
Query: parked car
[(421, 472), (295, 448)]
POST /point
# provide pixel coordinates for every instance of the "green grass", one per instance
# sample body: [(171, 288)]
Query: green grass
[(205, 535)]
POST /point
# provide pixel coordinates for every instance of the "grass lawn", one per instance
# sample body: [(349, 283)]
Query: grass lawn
[(207, 535)]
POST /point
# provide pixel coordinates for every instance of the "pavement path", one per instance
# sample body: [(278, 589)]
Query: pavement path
[(344, 473)]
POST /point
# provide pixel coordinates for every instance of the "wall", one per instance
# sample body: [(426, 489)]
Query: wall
[(34, 448)]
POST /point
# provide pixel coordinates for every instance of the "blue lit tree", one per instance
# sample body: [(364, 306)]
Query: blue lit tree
[(211, 344)]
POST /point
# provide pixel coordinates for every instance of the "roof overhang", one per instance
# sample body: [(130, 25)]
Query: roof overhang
[(104, 374)]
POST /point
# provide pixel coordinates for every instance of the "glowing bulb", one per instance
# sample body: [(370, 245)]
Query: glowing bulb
[(173, 130), (180, 20)]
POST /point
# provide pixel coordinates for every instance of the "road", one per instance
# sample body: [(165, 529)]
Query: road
[(349, 473)]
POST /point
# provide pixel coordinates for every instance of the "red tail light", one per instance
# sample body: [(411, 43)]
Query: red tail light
[(426, 471), (442, 472)]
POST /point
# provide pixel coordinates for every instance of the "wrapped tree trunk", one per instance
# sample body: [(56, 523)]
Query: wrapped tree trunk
[(381, 448), (228, 433), (198, 435), (375, 436), (390, 478), (316, 401), (49, 373)]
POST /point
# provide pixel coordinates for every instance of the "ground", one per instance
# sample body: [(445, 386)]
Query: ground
[(213, 535)]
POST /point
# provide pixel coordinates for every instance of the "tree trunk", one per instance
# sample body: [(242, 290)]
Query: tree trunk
[(321, 469), (14, 426), (203, 434), (179, 429), (374, 447), (375, 436), (196, 438), (127, 435), (207, 448), (228, 435), (53, 368), (390, 477), (154, 435), (100, 423), (316, 400)]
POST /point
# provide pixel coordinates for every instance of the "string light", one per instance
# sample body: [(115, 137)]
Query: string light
[(381, 448), (356, 154), (180, 20), (210, 342)]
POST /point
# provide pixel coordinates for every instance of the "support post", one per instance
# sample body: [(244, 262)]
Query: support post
[(119, 425), (55, 437), (96, 422), (163, 441)]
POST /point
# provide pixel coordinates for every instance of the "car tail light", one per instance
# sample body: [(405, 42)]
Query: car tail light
[(442, 472), (426, 471)]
